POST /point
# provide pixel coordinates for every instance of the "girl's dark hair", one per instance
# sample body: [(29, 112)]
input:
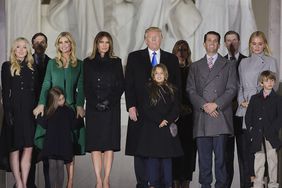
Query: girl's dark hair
[(156, 90), (53, 98)]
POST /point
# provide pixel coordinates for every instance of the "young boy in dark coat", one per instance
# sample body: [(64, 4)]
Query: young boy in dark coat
[(263, 121)]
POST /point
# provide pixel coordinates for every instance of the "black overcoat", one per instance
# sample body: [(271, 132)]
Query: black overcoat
[(154, 141), (103, 80), (137, 75), (264, 119), (19, 100)]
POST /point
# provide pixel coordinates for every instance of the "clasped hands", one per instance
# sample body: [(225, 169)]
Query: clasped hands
[(211, 109), (244, 104)]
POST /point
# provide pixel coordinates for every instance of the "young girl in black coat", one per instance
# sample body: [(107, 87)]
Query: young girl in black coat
[(157, 141), (57, 147)]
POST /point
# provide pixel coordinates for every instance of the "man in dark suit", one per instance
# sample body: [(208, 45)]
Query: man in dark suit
[(232, 43), (211, 86), (137, 74), (39, 44)]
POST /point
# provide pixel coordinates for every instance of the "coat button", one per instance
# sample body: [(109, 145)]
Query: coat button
[(21, 88), (260, 118), (99, 79)]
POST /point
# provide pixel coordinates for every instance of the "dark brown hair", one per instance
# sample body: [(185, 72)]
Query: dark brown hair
[(53, 99), (212, 33), (232, 33), (178, 45), (97, 39)]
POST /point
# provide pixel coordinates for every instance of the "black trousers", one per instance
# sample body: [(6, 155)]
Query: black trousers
[(245, 160)]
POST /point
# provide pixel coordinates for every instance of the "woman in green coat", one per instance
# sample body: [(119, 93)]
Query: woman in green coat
[(66, 72)]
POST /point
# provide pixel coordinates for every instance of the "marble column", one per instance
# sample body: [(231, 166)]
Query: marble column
[(2, 31), (2, 58), (275, 42), (274, 30)]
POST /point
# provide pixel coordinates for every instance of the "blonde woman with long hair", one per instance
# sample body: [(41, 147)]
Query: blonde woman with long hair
[(19, 85), (66, 72)]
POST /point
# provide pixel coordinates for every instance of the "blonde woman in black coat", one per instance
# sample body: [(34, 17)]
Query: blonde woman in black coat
[(19, 88)]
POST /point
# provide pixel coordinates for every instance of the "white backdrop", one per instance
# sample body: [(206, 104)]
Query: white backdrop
[(127, 20)]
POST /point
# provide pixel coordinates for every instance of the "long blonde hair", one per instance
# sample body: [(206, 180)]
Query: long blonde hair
[(15, 64), (261, 35), (73, 59)]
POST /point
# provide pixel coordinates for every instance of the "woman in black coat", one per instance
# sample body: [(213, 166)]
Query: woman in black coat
[(19, 86), (103, 85), (184, 166)]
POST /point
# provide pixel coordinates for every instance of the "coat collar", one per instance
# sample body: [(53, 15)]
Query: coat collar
[(219, 64), (272, 93), (146, 55)]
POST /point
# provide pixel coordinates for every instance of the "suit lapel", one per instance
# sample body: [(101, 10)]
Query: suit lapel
[(241, 56), (162, 57), (147, 61), (217, 67), (204, 69), (146, 56)]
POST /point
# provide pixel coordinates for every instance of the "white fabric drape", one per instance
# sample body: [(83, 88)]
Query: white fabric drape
[(22, 18), (221, 16)]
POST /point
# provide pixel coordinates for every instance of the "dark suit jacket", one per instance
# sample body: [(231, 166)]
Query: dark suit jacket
[(137, 74), (41, 69), (217, 85), (241, 56), (237, 124), (264, 119)]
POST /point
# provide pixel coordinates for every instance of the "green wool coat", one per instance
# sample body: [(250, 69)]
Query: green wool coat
[(70, 80)]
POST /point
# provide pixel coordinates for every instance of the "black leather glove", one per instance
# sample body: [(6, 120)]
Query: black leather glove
[(103, 106), (10, 119)]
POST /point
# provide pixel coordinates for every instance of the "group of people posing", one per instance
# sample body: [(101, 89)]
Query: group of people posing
[(175, 108)]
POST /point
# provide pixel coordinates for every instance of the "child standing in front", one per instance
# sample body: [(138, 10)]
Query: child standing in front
[(157, 141), (263, 120), (58, 121)]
